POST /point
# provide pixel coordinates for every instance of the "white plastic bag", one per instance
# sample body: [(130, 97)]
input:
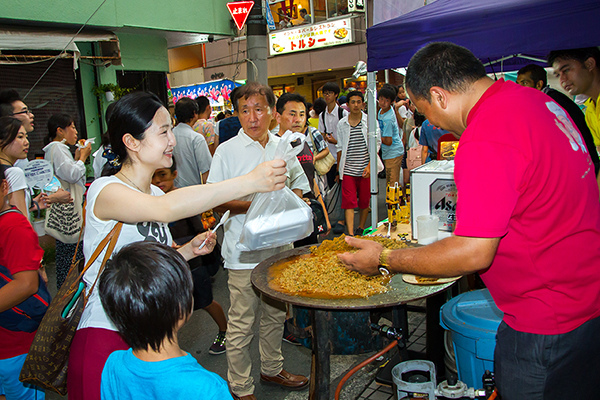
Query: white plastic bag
[(277, 218)]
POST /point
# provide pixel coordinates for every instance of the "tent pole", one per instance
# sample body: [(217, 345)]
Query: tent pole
[(372, 125)]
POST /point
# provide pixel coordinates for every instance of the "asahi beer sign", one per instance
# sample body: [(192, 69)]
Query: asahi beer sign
[(326, 34), (442, 195)]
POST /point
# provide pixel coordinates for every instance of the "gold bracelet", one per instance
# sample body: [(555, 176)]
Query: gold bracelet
[(383, 257)]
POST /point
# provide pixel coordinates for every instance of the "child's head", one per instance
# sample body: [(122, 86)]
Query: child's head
[(385, 97), (146, 290), (164, 177)]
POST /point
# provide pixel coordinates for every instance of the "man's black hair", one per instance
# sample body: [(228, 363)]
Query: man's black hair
[(319, 105), (442, 64), (332, 87), (286, 98), (9, 96), (536, 72), (203, 103), (355, 93), (185, 109), (394, 88), (146, 290), (303, 11), (581, 55), (419, 118), (386, 92)]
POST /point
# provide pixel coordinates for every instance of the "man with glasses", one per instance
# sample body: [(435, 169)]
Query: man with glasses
[(11, 105)]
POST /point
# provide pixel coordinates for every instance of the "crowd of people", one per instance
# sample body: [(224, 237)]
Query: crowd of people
[(166, 184)]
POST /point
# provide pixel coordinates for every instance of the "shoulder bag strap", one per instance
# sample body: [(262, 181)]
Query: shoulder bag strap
[(113, 236), (323, 118)]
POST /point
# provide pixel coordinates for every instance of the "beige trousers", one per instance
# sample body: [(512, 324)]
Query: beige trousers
[(245, 301), (392, 171)]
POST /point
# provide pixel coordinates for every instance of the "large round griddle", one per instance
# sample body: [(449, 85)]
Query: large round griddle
[(400, 292)]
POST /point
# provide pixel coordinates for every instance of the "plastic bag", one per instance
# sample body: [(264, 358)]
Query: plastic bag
[(277, 218)]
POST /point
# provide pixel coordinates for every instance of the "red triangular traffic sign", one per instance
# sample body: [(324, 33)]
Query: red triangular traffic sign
[(239, 11)]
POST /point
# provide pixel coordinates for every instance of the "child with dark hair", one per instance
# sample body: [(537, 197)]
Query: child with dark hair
[(183, 231), (391, 142), (146, 290)]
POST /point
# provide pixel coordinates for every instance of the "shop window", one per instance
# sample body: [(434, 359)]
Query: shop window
[(147, 81), (286, 13), (358, 84), (336, 8), (279, 90)]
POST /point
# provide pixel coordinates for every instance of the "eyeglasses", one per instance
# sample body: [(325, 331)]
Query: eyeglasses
[(28, 111)]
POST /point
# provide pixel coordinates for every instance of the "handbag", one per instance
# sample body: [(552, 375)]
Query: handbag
[(46, 363), (64, 220), (323, 165), (319, 221), (27, 315)]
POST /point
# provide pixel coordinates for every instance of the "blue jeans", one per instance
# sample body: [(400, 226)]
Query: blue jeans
[(11, 387), (530, 366)]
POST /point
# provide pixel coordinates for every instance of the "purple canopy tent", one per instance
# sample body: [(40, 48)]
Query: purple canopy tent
[(492, 30)]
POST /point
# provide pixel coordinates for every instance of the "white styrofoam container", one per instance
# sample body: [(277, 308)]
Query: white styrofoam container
[(433, 192)]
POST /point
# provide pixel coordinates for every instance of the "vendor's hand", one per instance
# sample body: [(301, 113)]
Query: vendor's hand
[(60, 196), (268, 176), (366, 259), (367, 172), (199, 239)]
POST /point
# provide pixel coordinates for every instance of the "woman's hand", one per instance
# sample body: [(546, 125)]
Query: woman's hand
[(268, 176), (192, 248), (83, 153), (60, 196)]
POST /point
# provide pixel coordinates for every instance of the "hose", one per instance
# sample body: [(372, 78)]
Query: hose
[(493, 395), (369, 360)]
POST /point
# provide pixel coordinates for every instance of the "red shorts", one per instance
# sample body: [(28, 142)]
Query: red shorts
[(356, 192), (89, 351)]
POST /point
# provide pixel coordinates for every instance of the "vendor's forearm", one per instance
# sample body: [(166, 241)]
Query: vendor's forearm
[(448, 257)]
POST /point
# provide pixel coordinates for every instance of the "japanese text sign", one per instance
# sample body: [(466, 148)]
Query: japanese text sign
[(307, 37), (239, 11)]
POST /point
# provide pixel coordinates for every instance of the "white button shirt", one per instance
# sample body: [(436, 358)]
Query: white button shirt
[(238, 156)]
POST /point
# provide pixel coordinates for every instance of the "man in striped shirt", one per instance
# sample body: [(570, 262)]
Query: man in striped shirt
[(353, 162)]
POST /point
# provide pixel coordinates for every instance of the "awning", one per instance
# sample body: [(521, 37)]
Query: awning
[(28, 38)]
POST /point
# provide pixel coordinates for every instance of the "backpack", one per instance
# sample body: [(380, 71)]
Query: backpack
[(26, 316), (340, 116)]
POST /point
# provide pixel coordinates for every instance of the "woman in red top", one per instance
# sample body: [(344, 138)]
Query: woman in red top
[(22, 255)]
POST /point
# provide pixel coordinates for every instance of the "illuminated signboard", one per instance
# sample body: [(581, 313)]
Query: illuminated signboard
[(309, 37)]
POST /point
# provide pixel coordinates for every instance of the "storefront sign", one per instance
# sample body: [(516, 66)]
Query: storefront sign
[(216, 91), (240, 10), (326, 34)]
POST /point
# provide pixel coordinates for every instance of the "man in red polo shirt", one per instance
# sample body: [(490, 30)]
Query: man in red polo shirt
[(528, 220)]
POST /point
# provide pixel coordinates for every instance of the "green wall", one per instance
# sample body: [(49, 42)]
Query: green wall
[(143, 53), (200, 16)]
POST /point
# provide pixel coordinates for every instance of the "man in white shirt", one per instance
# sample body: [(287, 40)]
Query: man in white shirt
[(239, 155), (191, 151)]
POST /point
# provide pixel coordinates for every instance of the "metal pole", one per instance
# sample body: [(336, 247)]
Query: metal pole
[(387, 76), (257, 47), (372, 122)]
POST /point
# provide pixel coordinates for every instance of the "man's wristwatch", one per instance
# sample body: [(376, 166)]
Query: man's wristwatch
[(383, 257)]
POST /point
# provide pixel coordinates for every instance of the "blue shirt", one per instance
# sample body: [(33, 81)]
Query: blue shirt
[(389, 128), (127, 377), (430, 135), (228, 128)]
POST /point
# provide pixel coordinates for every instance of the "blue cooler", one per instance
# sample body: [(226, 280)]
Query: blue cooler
[(472, 319)]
